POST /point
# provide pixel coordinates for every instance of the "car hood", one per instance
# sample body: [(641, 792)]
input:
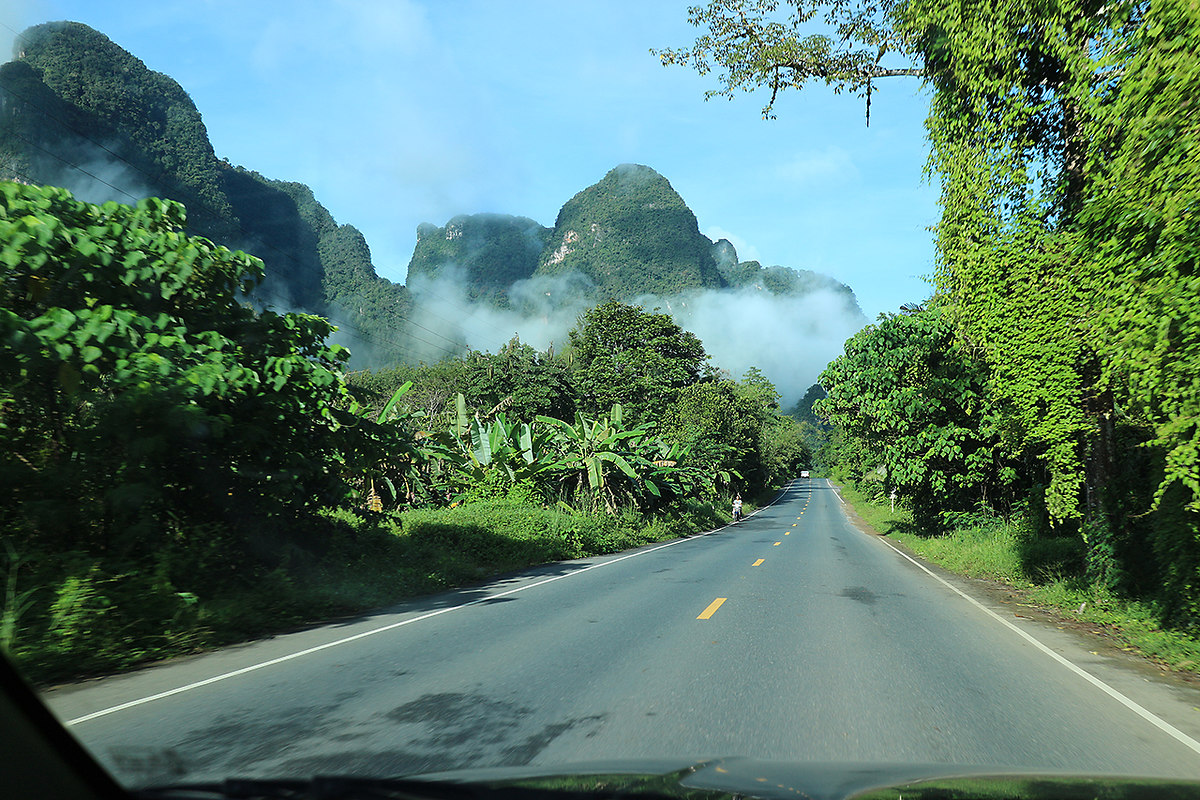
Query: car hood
[(775, 780)]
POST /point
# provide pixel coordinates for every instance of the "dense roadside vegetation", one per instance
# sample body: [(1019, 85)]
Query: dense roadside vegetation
[(182, 469), (1044, 405)]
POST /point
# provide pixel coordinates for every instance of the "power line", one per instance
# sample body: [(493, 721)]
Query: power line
[(74, 166)]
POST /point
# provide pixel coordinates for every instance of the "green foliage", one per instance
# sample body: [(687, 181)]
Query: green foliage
[(133, 378), (909, 400), (722, 429), (519, 379), (753, 44), (601, 459), (432, 396), (1068, 249), (516, 379), (163, 439), (634, 358)]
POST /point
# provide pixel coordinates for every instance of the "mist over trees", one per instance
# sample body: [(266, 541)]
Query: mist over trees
[(76, 110), (184, 469)]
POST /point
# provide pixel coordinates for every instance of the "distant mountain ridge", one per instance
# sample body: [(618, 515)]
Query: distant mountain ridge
[(79, 111), (630, 234)]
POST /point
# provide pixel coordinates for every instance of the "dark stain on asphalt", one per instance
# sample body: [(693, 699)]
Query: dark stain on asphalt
[(453, 719), (860, 594), (444, 731), (239, 741), (519, 755)]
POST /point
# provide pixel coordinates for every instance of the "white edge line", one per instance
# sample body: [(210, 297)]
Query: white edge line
[(308, 651), (1133, 706)]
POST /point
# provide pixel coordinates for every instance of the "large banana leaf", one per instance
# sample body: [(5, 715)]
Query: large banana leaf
[(391, 404), (481, 443)]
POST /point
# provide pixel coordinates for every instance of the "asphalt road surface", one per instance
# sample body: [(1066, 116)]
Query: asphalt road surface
[(791, 636)]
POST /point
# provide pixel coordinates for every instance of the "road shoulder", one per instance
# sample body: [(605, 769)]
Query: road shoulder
[(1171, 695)]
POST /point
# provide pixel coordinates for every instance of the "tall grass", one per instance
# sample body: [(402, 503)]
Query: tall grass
[(65, 616)]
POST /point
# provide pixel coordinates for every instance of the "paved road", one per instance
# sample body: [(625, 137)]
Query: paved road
[(791, 636)]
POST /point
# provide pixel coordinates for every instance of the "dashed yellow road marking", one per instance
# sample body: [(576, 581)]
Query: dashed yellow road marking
[(712, 608), (756, 563), (777, 544)]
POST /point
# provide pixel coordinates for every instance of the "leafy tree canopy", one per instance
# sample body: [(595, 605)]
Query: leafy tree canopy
[(636, 358), (904, 393), (134, 381), (755, 44)]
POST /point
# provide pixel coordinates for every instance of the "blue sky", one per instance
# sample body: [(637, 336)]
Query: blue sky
[(398, 112)]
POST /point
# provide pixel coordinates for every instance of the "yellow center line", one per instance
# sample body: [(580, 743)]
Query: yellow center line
[(777, 544), (712, 608), (787, 533), (756, 563)]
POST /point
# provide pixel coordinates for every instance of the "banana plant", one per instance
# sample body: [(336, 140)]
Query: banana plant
[(601, 457), (519, 451), (396, 468)]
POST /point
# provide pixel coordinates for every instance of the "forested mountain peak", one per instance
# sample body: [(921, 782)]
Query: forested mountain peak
[(631, 233), (107, 100), (79, 111), (489, 251)]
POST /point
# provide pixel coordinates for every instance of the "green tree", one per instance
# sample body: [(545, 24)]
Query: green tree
[(637, 359), (754, 44), (721, 428), (916, 405), (519, 379), (135, 382)]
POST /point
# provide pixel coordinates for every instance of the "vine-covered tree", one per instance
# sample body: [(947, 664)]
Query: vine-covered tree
[(1064, 140)]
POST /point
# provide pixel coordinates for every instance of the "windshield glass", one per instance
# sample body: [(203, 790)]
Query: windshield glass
[(391, 388)]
